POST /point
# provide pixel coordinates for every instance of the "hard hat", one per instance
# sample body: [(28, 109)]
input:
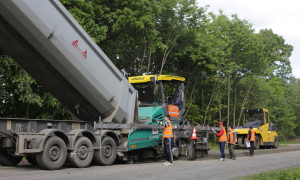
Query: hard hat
[(220, 123)]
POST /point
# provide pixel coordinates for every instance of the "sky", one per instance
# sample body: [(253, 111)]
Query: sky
[(283, 17)]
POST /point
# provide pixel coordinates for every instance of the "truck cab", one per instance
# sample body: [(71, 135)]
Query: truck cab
[(266, 132), (165, 93)]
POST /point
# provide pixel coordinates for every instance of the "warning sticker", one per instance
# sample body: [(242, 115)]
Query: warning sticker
[(75, 125), (154, 131), (8, 125)]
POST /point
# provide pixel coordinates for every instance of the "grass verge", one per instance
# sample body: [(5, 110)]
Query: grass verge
[(289, 142), (214, 146), (291, 173), (282, 145)]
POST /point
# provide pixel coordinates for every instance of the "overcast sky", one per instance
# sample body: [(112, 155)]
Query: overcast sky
[(283, 17)]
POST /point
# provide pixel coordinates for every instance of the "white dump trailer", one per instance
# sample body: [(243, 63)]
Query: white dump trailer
[(45, 39)]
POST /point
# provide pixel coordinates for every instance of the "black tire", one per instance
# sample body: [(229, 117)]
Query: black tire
[(240, 143), (8, 160), (275, 144), (108, 154), (191, 153), (83, 158), (205, 154), (32, 159), (256, 143), (245, 145), (55, 147)]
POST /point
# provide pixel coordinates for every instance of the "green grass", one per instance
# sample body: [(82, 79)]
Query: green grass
[(214, 146), (282, 145), (289, 142), (292, 173)]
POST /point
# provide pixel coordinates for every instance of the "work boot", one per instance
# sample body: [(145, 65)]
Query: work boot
[(230, 157), (233, 158)]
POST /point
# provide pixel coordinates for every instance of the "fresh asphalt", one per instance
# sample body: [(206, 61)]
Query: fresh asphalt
[(209, 168)]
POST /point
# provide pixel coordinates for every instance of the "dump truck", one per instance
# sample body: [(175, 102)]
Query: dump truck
[(266, 132), (110, 120)]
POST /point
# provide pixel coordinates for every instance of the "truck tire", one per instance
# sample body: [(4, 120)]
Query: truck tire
[(191, 151), (32, 159), (245, 145), (256, 143), (240, 143), (108, 154), (83, 158), (7, 160), (275, 144), (54, 154)]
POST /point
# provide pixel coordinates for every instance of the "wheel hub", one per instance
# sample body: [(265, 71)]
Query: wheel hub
[(107, 151), (83, 153), (54, 153)]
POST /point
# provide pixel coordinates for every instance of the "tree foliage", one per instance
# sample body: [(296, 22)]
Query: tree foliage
[(227, 65)]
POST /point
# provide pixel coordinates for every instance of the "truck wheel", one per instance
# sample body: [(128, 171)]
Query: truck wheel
[(191, 152), (108, 154), (240, 143), (32, 159), (8, 160), (54, 155), (256, 143), (205, 154), (245, 145), (275, 144), (83, 158)]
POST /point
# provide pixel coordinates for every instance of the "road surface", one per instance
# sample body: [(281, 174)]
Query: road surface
[(205, 169)]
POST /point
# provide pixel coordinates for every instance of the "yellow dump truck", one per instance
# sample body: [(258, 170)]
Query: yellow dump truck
[(266, 132)]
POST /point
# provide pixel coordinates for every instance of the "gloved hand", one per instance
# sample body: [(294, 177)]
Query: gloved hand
[(154, 120)]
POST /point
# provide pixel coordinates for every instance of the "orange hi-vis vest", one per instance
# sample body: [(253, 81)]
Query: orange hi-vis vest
[(173, 110), (168, 133), (223, 138), (231, 137), (252, 135)]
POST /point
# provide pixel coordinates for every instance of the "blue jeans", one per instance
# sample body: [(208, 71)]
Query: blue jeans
[(222, 148), (168, 149)]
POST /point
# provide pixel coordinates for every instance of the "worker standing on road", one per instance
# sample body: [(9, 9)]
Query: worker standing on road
[(222, 140), (251, 139), (168, 139), (232, 139)]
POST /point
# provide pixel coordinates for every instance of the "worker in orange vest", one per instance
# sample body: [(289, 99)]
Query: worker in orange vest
[(168, 139), (222, 140), (232, 139), (251, 139)]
